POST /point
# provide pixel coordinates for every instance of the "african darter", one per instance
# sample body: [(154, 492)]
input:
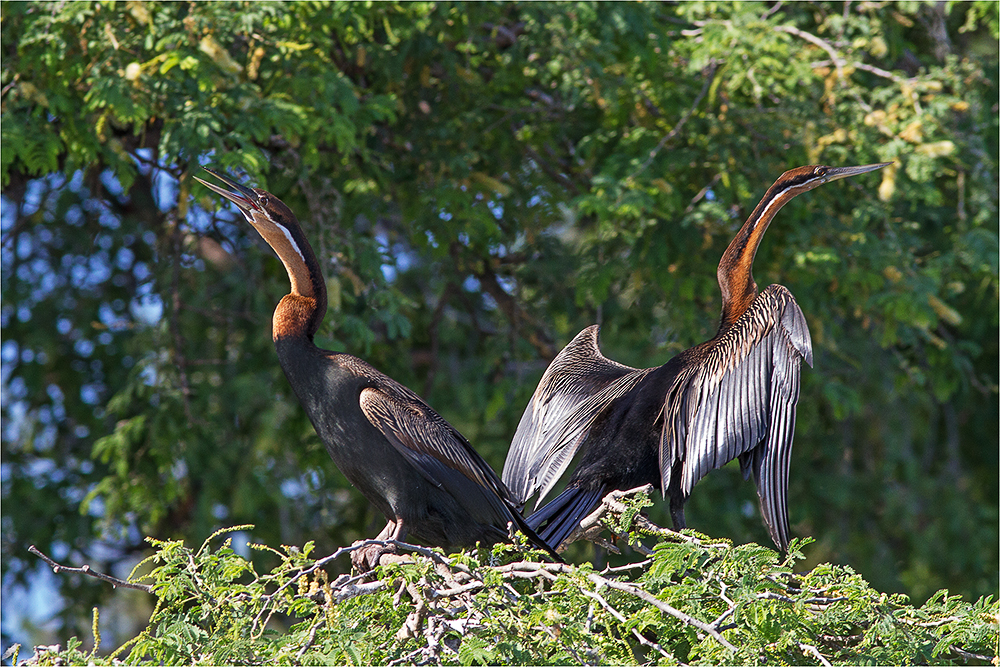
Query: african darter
[(733, 396), (409, 462)]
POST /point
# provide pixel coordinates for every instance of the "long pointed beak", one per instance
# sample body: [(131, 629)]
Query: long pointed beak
[(245, 199), (837, 173)]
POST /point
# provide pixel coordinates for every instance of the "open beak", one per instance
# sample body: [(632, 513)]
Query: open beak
[(837, 173), (245, 199)]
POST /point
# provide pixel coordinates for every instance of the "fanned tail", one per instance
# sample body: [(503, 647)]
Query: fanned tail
[(563, 514)]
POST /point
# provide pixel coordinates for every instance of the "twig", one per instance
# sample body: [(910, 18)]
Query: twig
[(415, 619), (931, 624), (427, 553), (713, 66), (966, 655), (178, 340), (664, 607), (459, 590), (784, 598), (527, 569), (554, 174), (701, 193), (310, 640), (877, 71), (114, 581), (766, 15), (315, 566), (593, 523), (621, 619), (347, 589), (840, 62), (814, 652), (837, 59), (717, 623), (640, 565), (2, 93), (19, 226), (433, 332)]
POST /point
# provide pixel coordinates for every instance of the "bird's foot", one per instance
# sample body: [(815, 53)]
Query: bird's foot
[(367, 558)]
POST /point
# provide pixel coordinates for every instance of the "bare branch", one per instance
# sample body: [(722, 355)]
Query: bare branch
[(701, 193), (664, 607), (312, 638), (526, 569), (879, 72), (966, 655), (837, 59), (591, 526), (840, 62), (114, 581), (621, 619)]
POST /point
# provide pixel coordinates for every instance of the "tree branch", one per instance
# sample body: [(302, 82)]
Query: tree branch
[(114, 581), (814, 652), (837, 59), (592, 525), (664, 607), (713, 66)]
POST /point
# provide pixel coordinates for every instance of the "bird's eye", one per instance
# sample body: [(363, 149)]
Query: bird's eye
[(819, 171), (263, 200)]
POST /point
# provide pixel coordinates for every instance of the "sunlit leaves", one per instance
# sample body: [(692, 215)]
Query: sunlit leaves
[(212, 604)]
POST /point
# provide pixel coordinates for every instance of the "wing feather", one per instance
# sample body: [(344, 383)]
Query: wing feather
[(577, 386), (439, 452), (739, 402)]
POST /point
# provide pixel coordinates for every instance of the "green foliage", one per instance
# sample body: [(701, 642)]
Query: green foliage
[(690, 602), (481, 181)]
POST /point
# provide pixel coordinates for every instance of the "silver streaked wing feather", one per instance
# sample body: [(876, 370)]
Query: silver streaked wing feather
[(578, 384), (740, 403), (574, 430)]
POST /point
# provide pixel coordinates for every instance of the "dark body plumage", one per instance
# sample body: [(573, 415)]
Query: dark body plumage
[(405, 458), (731, 397)]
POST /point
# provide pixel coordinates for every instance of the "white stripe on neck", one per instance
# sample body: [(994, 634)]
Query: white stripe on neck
[(775, 199), (295, 246)]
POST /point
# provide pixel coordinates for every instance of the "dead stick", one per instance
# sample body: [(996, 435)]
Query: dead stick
[(114, 581)]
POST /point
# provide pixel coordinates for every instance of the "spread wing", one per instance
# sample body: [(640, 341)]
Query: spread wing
[(577, 386), (439, 452), (739, 402)]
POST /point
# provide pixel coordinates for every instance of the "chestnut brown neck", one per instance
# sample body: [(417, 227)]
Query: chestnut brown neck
[(297, 316), (735, 271), (301, 311)]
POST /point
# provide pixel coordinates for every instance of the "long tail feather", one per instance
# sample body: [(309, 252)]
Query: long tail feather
[(563, 515)]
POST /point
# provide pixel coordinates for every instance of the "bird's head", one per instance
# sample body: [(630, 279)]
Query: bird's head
[(803, 179), (278, 225), (268, 215)]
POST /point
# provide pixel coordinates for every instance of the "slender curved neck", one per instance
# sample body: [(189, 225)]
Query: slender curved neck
[(735, 271), (300, 312)]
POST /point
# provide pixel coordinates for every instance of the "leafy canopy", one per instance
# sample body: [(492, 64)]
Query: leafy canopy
[(481, 181)]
